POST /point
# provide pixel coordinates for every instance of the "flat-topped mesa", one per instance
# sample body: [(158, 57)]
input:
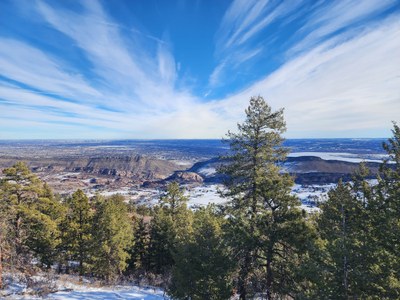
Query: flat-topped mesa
[(137, 166)]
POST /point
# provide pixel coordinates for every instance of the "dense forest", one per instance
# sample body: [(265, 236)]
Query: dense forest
[(259, 244)]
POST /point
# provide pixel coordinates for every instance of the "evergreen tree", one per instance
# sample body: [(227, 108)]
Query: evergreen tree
[(389, 192), (112, 237), (139, 253), (174, 199), (4, 234), (170, 226), (386, 217), (202, 268), (32, 216), (162, 243), (76, 230), (266, 227), (43, 234), (372, 272), (20, 190), (359, 226), (339, 227)]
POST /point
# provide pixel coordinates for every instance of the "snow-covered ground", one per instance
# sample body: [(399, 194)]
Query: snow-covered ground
[(205, 194), (122, 191), (68, 287), (207, 171), (309, 195), (312, 192), (349, 157), (119, 292)]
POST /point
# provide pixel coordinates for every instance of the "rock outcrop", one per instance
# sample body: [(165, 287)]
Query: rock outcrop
[(186, 177)]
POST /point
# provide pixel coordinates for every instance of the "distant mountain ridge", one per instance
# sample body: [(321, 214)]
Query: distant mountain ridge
[(158, 161), (305, 169)]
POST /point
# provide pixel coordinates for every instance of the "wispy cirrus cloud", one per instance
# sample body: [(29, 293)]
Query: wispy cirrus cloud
[(242, 22), (335, 78), (239, 19), (344, 88), (336, 16), (129, 87), (23, 63), (111, 60)]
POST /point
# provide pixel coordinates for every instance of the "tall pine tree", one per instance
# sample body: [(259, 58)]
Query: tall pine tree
[(76, 229), (339, 226), (266, 226), (4, 234), (170, 226), (139, 253), (202, 267), (359, 227), (32, 215), (386, 217), (112, 237)]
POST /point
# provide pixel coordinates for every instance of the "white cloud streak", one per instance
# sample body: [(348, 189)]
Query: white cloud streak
[(340, 87), (337, 88), (336, 16), (24, 63), (243, 21)]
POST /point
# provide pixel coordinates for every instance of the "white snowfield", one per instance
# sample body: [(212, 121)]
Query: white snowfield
[(348, 157), (90, 293), (69, 288), (207, 171), (122, 292)]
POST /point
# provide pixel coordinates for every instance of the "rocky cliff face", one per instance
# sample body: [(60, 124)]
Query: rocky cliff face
[(150, 171), (138, 167), (186, 177)]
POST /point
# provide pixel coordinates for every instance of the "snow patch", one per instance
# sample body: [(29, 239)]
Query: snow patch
[(119, 292), (69, 288), (207, 171), (205, 194), (349, 157)]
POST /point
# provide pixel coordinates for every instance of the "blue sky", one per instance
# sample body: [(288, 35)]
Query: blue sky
[(186, 69)]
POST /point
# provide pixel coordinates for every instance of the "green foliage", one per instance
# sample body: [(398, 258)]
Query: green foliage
[(162, 243), (76, 230), (170, 226), (202, 268), (139, 253), (339, 226), (388, 195), (359, 227), (32, 216), (173, 202), (385, 219), (112, 237), (266, 229)]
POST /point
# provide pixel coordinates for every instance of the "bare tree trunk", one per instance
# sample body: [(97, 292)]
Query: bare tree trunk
[(269, 274), (80, 246), (18, 246), (345, 271), (1, 266), (18, 234), (244, 272), (80, 270)]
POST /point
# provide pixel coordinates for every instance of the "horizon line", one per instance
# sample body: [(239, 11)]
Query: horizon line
[(184, 139)]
